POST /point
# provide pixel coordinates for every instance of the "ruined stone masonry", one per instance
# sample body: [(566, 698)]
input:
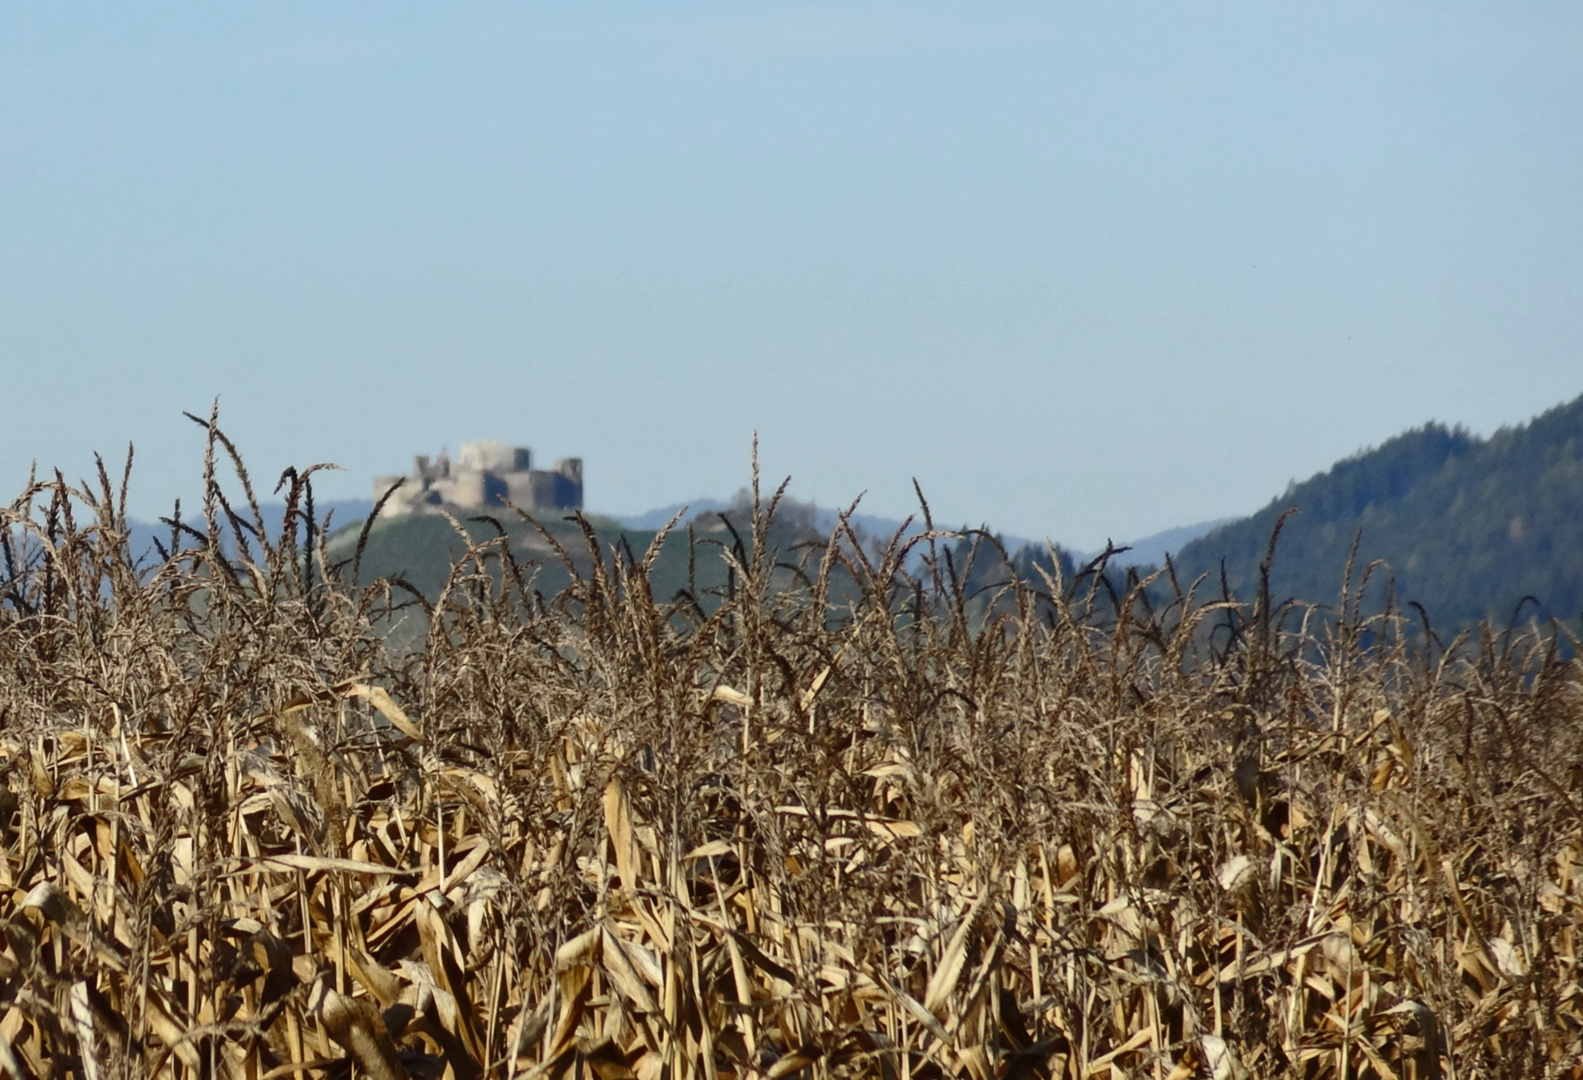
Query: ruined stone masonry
[(486, 473)]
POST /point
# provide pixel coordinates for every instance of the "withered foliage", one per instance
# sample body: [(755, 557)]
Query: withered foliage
[(612, 834)]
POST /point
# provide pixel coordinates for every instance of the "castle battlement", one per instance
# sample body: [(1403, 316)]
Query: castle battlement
[(485, 473)]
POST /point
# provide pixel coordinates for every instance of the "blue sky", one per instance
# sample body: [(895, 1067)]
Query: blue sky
[(1084, 271)]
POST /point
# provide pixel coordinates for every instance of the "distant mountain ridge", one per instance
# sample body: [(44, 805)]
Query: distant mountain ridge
[(651, 520), (823, 519), (1151, 550), (1465, 526), (144, 534), (1468, 527)]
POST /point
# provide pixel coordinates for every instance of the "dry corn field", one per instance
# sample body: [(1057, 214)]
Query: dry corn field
[(606, 834)]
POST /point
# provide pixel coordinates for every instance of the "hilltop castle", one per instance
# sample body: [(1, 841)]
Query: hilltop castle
[(486, 473)]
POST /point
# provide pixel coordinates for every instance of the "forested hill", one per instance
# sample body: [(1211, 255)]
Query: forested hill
[(1469, 526)]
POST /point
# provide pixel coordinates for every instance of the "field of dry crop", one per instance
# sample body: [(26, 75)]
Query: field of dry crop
[(607, 835)]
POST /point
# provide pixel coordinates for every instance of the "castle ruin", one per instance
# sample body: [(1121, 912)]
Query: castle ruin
[(484, 474)]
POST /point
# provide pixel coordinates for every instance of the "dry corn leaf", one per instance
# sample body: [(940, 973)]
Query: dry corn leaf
[(380, 699)]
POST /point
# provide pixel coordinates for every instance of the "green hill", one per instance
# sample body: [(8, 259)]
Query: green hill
[(1468, 526), (421, 549)]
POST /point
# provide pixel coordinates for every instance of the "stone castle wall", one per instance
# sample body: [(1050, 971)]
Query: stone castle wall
[(487, 473)]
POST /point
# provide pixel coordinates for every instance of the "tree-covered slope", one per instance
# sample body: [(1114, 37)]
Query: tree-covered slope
[(1468, 526)]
